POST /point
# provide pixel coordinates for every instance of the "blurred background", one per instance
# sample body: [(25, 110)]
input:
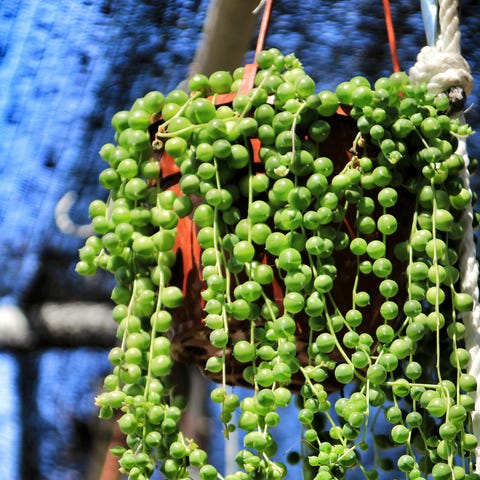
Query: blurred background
[(65, 69)]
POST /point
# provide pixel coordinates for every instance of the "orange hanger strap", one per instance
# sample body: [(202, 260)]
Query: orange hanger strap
[(264, 25), (248, 79), (250, 71), (391, 35)]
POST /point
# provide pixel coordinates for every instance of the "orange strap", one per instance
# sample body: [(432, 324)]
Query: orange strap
[(391, 35), (264, 25), (250, 70)]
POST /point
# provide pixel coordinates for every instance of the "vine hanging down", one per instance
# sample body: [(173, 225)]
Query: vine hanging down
[(327, 227)]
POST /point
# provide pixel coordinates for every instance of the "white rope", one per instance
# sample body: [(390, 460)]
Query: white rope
[(449, 44), (449, 39), (469, 272), (442, 68), (430, 69)]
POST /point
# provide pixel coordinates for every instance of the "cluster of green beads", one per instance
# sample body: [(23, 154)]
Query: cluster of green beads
[(430, 396), (289, 218), (136, 231)]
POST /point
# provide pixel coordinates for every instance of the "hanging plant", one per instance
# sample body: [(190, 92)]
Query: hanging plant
[(297, 242)]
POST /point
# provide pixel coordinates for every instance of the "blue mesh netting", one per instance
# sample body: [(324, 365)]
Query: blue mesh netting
[(10, 418), (65, 409), (63, 73)]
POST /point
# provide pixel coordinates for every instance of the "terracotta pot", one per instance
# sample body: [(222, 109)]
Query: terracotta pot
[(189, 334)]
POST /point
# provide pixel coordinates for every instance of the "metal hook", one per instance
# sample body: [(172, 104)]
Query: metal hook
[(430, 20), (259, 6)]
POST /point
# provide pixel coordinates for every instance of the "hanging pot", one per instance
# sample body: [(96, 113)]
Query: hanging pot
[(190, 336)]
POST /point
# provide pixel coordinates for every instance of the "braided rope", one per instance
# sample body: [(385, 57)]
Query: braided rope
[(443, 68), (469, 271), (449, 43), (449, 39)]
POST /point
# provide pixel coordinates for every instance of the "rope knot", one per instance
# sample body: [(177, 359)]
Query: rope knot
[(441, 71)]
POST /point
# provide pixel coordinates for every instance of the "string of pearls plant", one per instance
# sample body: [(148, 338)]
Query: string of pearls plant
[(365, 253)]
